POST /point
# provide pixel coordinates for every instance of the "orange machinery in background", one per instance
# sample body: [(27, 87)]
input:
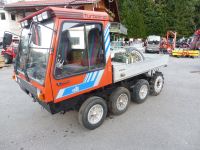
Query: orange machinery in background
[(168, 44), (192, 50)]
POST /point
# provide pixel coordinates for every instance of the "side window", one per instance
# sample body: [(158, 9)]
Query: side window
[(13, 17), (80, 49), (95, 45)]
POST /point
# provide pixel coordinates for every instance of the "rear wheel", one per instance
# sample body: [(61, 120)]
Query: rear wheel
[(119, 101), (92, 112), (140, 91), (7, 59), (156, 84)]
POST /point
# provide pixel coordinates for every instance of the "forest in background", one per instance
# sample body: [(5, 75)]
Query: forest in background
[(156, 17)]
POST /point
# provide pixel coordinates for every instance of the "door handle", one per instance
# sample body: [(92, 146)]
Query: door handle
[(62, 83)]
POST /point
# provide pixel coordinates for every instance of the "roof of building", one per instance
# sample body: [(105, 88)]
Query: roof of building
[(45, 3), (32, 6)]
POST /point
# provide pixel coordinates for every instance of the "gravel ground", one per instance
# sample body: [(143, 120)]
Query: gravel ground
[(170, 121)]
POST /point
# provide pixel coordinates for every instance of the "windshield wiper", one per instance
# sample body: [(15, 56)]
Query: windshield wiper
[(43, 25), (27, 59)]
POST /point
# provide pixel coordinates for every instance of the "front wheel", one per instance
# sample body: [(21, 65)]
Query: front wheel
[(92, 112), (156, 84)]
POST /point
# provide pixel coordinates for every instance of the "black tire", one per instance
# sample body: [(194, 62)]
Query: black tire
[(86, 107), (136, 96), (7, 59), (114, 105), (156, 84)]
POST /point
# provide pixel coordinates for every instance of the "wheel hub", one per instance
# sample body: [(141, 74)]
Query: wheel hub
[(143, 91), (158, 84), (122, 102), (95, 114)]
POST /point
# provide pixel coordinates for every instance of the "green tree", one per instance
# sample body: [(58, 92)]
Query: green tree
[(196, 17), (147, 17), (132, 18), (154, 19)]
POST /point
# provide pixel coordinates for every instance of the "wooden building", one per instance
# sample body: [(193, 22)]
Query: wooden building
[(24, 8)]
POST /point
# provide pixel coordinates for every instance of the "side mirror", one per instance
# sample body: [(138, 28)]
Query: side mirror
[(7, 39)]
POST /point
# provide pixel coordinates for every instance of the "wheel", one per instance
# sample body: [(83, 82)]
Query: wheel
[(119, 101), (156, 84), (7, 59), (140, 91), (92, 112)]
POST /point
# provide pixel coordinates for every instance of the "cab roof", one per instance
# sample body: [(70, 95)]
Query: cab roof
[(64, 13)]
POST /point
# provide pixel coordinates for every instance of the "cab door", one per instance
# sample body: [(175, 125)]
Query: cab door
[(80, 59)]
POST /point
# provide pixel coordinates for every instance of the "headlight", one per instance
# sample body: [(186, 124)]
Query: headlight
[(35, 18), (43, 16), (46, 15), (22, 24), (25, 23), (39, 17)]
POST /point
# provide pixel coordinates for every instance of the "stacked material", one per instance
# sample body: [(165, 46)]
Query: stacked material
[(2, 63), (128, 57)]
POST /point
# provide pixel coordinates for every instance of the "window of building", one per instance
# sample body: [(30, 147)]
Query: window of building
[(13, 17), (3, 16), (75, 40), (80, 49)]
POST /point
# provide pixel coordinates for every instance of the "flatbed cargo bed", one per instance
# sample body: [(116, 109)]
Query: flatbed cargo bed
[(122, 71)]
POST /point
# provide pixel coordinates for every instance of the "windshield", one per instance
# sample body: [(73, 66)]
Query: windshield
[(154, 42), (34, 50)]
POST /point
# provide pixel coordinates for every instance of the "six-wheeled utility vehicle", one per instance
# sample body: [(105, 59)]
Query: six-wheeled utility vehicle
[(64, 62)]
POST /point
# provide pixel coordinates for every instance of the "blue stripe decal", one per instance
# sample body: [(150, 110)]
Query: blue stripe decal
[(107, 47), (107, 38), (91, 77), (107, 42), (83, 86), (86, 77), (107, 29), (107, 35)]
